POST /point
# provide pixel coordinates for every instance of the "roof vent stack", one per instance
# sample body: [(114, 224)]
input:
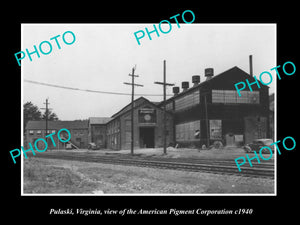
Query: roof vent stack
[(185, 85), (175, 91), (209, 73), (196, 80)]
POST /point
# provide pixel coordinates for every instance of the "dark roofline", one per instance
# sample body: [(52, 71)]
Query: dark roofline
[(108, 119), (136, 106), (207, 81), (59, 124), (126, 106)]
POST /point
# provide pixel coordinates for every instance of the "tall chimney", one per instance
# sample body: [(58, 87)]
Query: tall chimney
[(251, 66)]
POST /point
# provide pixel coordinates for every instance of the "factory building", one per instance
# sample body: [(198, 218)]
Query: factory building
[(37, 129), (212, 111), (202, 114), (97, 131), (148, 126)]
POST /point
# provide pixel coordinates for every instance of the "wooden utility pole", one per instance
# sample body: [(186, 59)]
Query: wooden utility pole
[(46, 117), (206, 121), (164, 83), (132, 106)]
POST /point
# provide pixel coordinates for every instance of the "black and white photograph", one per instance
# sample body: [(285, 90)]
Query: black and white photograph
[(144, 109), (147, 111)]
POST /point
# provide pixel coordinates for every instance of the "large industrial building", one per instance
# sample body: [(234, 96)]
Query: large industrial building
[(212, 111), (202, 114)]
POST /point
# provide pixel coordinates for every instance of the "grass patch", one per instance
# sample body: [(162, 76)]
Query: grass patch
[(39, 178), (63, 176)]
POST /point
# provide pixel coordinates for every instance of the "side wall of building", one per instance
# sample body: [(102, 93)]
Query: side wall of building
[(79, 137), (227, 118), (97, 135), (119, 129)]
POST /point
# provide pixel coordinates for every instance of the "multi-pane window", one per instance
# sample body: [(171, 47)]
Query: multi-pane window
[(188, 131), (187, 101), (231, 96), (253, 97), (218, 96), (31, 132), (215, 128), (243, 98)]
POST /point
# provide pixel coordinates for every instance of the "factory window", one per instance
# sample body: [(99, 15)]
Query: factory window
[(231, 96), (188, 131), (243, 98), (39, 132), (253, 97), (31, 132), (215, 128), (217, 96), (187, 101)]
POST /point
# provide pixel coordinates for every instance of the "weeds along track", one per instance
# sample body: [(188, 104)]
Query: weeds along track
[(262, 170)]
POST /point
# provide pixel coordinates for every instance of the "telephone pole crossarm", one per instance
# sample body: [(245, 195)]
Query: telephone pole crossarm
[(139, 85), (162, 83)]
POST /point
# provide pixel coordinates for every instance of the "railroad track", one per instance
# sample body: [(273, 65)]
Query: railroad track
[(264, 170)]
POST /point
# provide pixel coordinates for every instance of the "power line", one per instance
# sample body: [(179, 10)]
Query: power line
[(87, 90)]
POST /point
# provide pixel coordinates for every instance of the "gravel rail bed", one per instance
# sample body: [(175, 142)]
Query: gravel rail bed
[(265, 170)]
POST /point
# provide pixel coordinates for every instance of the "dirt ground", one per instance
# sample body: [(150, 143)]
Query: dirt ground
[(52, 176), (226, 153), (229, 153)]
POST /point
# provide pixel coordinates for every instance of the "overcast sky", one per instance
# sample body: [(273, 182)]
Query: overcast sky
[(103, 55)]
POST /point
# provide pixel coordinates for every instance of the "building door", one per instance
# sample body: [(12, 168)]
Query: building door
[(146, 137), (229, 139)]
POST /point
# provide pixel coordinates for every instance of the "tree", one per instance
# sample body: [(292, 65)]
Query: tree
[(31, 112), (51, 115)]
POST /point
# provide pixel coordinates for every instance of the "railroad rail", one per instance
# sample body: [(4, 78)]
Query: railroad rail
[(262, 170)]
